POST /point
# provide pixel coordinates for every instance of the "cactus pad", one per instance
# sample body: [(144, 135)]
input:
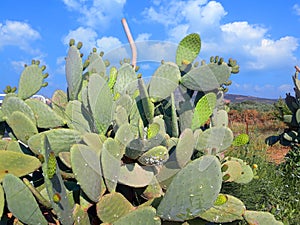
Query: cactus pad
[(193, 196), (113, 206), (203, 110), (18, 196), (31, 81), (188, 49), (261, 218), (231, 210), (17, 163)]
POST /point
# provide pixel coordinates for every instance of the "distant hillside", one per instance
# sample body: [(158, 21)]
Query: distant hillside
[(242, 98)]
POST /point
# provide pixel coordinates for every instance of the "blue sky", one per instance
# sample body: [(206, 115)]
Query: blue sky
[(263, 36)]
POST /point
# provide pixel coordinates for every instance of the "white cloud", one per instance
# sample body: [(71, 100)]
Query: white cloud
[(86, 35), (191, 16), (143, 37), (20, 34), (242, 31), (272, 53), (97, 14), (296, 9)]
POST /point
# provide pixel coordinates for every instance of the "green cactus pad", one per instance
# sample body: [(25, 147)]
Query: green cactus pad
[(140, 216), (193, 196), (153, 130), (86, 167), (153, 190), (11, 104), (220, 118), (188, 49), (145, 106), (79, 117), (17, 196), (136, 176), (247, 173), (135, 148), (120, 115), (206, 77), (22, 126), (214, 140), (113, 206), (185, 148), (111, 155), (126, 82), (65, 157), (155, 156), (61, 140), (59, 102), (203, 110), (55, 186), (31, 81), (125, 134), (233, 209), (80, 216), (74, 69), (97, 64), (101, 102), (233, 171), (45, 116), (94, 141), (17, 163), (113, 73), (240, 140), (2, 201), (164, 81), (261, 218)]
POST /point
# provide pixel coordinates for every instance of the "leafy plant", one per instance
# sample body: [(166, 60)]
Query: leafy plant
[(111, 140)]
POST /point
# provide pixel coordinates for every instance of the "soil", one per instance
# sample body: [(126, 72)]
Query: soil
[(277, 153)]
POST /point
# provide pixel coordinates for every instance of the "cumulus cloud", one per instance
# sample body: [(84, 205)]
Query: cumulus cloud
[(86, 35), (97, 14), (186, 16), (273, 53), (296, 9), (251, 43), (20, 34)]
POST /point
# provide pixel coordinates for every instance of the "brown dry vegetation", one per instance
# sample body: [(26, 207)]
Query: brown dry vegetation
[(259, 126)]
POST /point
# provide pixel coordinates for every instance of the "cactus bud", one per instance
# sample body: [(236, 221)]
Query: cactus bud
[(203, 62), (71, 42), (107, 63), (101, 54), (41, 158), (86, 64), (37, 62), (81, 55), (43, 67), (136, 68), (196, 64), (226, 177), (46, 75), (56, 198), (13, 89), (33, 62), (221, 60), (94, 50), (79, 45), (216, 59), (211, 59), (224, 168), (139, 75), (221, 199), (162, 61), (45, 84)]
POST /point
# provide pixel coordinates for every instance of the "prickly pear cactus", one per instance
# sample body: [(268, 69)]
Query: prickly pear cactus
[(138, 153)]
